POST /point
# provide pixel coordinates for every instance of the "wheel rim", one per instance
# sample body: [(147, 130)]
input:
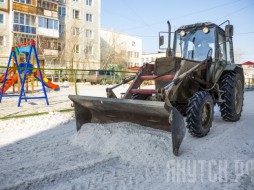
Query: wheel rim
[(238, 97), (206, 115)]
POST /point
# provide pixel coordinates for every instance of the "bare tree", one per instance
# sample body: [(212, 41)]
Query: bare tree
[(76, 50), (114, 51)]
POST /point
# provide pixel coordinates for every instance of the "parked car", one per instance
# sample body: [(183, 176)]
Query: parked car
[(103, 77)]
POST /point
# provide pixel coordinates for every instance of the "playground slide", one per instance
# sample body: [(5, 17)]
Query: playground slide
[(47, 82), (9, 82), (2, 76)]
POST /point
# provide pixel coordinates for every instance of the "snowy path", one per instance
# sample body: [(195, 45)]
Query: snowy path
[(45, 152)]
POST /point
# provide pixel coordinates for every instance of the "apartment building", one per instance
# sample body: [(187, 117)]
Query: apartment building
[(66, 31), (121, 49), (79, 40), (23, 20), (4, 31), (37, 20)]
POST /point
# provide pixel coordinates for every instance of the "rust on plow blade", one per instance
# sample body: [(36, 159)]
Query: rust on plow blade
[(146, 113)]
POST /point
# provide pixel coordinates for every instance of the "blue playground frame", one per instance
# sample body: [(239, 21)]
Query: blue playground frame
[(25, 70)]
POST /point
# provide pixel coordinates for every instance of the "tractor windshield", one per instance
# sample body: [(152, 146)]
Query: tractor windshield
[(195, 44)]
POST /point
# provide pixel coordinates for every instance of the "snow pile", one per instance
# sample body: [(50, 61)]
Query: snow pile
[(131, 142), (22, 128)]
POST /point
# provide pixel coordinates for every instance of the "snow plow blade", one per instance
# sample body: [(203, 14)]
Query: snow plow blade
[(146, 113)]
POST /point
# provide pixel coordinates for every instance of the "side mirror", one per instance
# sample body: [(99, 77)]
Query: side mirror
[(229, 30), (161, 41)]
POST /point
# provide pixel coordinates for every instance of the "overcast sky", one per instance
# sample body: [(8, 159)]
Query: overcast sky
[(146, 18)]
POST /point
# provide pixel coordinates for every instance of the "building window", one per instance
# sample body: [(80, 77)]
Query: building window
[(75, 31), (21, 18), (48, 23), (21, 38), (89, 17), (61, 11), (52, 6), (1, 18), (2, 41), (89, 2), (61, 28), (55, 24), (89, 50), (129, 53), (24, 23), (133, 44), (29, 2), (48, 43), (60, 46), (89, 33), (16, 17), (76, 14), (76, 0), (1, 1), (76, 49)]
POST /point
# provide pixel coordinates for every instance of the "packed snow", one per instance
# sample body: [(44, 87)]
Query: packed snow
[(46, 152)]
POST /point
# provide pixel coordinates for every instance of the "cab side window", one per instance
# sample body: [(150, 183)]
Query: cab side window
[(222, 55)]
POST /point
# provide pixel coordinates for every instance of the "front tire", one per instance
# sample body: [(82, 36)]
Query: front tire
[(200, 114), (232, 87)]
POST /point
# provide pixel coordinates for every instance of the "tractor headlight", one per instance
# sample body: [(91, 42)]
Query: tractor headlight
[(182, 33), (206, 30)]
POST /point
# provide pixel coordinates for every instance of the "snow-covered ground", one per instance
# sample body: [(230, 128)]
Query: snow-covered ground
[(45, 152)]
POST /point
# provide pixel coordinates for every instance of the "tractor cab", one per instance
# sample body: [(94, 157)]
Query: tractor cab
[(199, 41), (195, 43)]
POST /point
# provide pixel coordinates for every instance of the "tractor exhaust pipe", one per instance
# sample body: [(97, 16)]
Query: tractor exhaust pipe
[(169, 53)]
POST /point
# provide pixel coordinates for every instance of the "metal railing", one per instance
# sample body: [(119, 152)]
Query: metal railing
[(65, 74)]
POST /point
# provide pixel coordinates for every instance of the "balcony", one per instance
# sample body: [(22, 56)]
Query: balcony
[(48, 32), (48, 13), (51, 52), (24, 8), (24, 29)]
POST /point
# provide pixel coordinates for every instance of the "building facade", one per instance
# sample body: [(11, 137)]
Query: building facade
[(24, 20), (66, 31), (79, 40), (5, 36), (37, 20), (121, 49), (47, 30)]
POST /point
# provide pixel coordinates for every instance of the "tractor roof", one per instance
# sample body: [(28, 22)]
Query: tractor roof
[(203, 24)]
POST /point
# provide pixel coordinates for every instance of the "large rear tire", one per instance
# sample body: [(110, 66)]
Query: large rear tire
[(200, 114), (232, 93)]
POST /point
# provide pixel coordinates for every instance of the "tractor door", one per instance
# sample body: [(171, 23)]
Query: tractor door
[(220, 57)]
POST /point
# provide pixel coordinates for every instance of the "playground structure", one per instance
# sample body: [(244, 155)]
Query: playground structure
[(23, 72)]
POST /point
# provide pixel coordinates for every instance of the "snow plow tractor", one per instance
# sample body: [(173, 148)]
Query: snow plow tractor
[(197, 73)]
